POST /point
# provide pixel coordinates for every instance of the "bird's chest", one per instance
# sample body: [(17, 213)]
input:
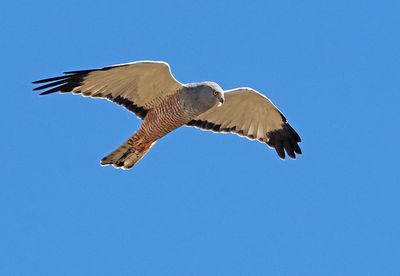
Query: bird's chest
[(172, 110), (166, 116)]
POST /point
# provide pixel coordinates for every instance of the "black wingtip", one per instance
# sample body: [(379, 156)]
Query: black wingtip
[(284, 140), (65, 83), (289, 147), (294, 133), (280, 151), (45, 93), (80, 71), (297, 149), (51, 79), (51, 84)]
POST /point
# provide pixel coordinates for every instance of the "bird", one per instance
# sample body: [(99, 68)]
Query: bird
[(150, 91)]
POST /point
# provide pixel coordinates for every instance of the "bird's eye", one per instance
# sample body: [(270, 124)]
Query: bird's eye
[(215, 93)]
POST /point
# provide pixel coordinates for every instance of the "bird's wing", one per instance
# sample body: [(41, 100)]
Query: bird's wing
[(136, 86), (248, 113)]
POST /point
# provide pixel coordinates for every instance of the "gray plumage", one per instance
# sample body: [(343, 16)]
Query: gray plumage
[(200, 97)]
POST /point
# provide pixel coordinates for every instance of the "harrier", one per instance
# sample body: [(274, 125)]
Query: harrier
[(149, 90)]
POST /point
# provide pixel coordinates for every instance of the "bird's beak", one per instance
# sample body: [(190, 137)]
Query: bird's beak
[(221, 100)]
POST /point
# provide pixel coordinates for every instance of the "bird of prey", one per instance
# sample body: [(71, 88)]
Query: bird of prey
[(149, 90)]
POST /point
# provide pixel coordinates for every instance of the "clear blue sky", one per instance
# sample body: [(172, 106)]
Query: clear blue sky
[(201, 203)]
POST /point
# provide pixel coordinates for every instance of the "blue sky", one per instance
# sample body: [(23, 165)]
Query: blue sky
[(201, 203)]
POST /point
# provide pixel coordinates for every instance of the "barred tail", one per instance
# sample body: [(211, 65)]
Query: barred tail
[(128, 154)]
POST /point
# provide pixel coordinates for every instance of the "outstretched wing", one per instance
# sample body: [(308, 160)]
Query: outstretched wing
[(136, 86), (248, 113)]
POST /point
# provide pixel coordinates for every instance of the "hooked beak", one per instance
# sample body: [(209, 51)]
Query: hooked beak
[(221, 101)]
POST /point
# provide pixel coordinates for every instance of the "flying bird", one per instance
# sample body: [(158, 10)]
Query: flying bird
[(149, 90)]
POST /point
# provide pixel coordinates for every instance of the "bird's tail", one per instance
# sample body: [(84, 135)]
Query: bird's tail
[(128, 154)]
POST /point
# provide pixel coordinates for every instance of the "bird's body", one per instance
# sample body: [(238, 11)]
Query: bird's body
[(165, 116), (149, 90)]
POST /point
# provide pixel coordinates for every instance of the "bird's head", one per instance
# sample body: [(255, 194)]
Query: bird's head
[(204, 95), (216, 91)]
